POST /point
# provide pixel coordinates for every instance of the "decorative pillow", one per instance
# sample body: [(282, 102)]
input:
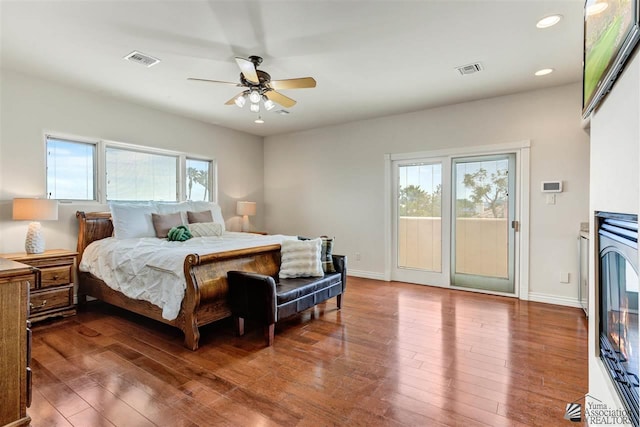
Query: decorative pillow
[(163, 223), (301, 258), (203, 229), (326, 254), (195, 217), (184, 207), (179, 234), (216, 212), (132, 220)]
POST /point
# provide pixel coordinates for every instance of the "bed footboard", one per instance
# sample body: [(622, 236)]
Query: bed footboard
[(206, 296)]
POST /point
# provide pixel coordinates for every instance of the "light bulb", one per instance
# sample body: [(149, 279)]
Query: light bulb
[(268, 104), (254, 96), (240, 101), (255, 108), (259, 120)]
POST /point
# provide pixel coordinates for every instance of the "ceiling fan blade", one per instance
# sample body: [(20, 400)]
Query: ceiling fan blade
[(233, 100), (248, 70), (300, 83), (214, 81), (279, 98)]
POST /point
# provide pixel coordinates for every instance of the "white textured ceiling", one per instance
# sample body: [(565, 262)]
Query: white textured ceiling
[(370, 58)]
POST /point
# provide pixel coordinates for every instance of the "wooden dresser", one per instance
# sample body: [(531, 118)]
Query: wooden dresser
[(15, 342), (52, 291)]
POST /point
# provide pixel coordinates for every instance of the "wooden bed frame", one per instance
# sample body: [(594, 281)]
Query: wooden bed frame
[(205, 299)]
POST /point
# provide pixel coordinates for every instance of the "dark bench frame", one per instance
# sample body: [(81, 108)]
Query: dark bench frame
[(255, 296)]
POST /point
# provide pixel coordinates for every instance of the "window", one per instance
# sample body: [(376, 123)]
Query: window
[(136, 175), (81, 169), (198, 179), (71, 169)]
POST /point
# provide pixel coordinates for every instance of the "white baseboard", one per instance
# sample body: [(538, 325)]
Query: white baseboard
[(554, 299), (365, 274)]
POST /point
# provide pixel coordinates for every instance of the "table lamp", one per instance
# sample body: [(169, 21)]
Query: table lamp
[(246, 209), (35, 210)]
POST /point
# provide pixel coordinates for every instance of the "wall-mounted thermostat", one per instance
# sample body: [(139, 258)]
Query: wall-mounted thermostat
[(551, 187)]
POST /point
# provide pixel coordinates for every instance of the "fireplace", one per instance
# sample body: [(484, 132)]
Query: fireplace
[(617, 278)]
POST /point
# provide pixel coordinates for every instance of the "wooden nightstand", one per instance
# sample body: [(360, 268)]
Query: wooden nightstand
[(52, 292)]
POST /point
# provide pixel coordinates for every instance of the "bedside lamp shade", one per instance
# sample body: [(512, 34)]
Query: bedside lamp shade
[(246, 209), (35, 210)]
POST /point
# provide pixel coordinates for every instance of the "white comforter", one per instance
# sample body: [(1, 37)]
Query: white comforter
[(151, 269)]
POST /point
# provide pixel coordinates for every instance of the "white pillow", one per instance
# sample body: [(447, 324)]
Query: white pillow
[(170, 208), (132, 220), (301, 258)]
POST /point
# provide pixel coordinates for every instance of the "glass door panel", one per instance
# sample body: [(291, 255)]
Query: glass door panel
[(483, 250), (419, 217)]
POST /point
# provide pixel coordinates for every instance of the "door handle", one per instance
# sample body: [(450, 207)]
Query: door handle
[(515, 225)]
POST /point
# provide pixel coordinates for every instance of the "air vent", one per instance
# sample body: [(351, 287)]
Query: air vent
[(141, 58), (470, 68)]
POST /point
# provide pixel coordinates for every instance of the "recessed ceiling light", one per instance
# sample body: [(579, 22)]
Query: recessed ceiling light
[(549, 21), (596, 8), (259, 120), (544, 72)]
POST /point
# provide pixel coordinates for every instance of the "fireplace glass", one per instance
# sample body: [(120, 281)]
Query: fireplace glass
[(618, 304)]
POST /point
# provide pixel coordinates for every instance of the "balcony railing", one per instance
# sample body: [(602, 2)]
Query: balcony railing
[(481, 245)]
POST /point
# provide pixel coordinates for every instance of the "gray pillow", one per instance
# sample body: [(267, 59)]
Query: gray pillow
[(195, 217), (163, 223)]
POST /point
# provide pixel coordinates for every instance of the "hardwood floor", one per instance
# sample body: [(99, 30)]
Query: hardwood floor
[(396, 354)]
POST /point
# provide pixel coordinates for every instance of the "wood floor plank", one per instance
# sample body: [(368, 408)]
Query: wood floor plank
[(89, 418), (395, 355)]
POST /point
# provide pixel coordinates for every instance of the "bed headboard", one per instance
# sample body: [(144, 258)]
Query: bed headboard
[(92, 226)]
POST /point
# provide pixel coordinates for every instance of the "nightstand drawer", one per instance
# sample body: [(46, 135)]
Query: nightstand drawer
[(55, 276), (49, 300)]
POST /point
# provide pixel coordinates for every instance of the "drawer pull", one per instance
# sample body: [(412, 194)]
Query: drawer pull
[(40, 306)]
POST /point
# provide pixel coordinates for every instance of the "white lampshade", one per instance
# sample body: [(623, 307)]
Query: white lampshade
[(35, 210), (246, 208)]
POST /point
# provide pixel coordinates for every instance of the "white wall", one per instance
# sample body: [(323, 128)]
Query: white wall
[(615, 187), (331, 180), (30, 106)]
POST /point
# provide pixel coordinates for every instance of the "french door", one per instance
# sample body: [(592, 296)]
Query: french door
[(455, 221)]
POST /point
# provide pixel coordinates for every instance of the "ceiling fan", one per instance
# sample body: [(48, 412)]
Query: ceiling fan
[(260, 87)]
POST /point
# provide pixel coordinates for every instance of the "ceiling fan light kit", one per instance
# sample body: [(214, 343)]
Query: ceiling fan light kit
[(240, 101), (260, 87)]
